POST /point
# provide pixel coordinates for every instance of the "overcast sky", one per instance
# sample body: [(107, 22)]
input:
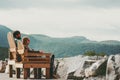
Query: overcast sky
[(94, 19)]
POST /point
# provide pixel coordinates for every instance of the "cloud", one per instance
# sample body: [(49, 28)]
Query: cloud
[(11, 4), (95, 19), (96, 24), (101, 3)]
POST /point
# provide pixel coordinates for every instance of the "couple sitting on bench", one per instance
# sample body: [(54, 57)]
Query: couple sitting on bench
[(49, 64), (25, 41)]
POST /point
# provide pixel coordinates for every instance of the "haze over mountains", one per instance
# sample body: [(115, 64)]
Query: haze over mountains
[(62, 47)]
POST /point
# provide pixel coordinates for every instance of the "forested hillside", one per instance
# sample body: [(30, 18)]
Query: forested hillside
[(61, 47)]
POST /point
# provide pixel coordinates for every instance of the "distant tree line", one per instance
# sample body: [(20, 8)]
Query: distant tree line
[(93, 53)]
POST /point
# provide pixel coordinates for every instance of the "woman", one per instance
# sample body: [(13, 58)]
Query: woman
[(26, 42)]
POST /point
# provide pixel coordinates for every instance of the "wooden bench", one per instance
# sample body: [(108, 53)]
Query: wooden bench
[(30, 60), (38, 60)]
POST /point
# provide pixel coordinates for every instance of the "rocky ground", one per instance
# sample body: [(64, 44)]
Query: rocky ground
[(84, 68), (4, 76)]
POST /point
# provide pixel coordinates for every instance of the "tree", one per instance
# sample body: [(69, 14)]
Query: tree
[(93, 53), (90, 53)]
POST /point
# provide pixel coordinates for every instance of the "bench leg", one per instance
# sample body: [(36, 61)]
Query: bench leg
[(28, 72), (25, 73), (35, 73), (18, 72), (10, 71), (47, 73)]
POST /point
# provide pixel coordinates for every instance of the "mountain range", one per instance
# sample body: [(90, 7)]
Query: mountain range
[(61, 47)]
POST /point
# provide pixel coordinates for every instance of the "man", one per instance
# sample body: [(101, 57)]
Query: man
[(17, 36)]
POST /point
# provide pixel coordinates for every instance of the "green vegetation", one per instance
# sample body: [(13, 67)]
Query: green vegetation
[(90, 53), (62, 47), (101, 54), (93, 53)]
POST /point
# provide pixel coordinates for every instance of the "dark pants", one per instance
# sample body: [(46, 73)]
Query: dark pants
[(52, 66)]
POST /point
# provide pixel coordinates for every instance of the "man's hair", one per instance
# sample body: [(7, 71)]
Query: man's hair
[(15, 33)]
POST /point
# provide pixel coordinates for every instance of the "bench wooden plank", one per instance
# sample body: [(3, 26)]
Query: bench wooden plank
[(37, 54), (36, 62), (29, 65)]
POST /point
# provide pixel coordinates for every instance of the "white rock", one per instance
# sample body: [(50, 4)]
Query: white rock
[(91, 71), (68, 65), (7, 69), (113, 68), (0, 65), (80, 71)]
